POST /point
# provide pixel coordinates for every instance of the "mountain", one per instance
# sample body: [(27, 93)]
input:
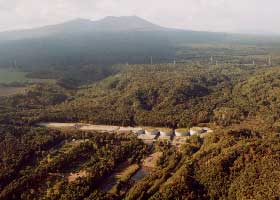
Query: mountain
[(108, 41), (132, 23), (108, 24), (81, 42)]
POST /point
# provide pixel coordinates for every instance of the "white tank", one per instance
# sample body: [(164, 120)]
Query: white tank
[(196, 131), (140, 132), (151, 131), (166, 132), (182, 132)]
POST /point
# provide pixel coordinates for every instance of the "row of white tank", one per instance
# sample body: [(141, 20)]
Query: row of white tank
[(149, 131), (164, 132)]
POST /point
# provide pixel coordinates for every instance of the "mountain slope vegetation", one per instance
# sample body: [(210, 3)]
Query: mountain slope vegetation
[(176, 96), (239, 160)]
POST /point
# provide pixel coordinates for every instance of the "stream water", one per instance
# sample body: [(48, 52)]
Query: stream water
[(141, 173), (112, 180)]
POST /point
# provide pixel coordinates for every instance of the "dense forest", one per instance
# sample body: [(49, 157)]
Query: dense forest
[(42, 159), (239, 160), (171, 96)]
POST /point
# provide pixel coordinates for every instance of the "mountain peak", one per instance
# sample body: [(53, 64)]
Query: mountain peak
[(132, 17), (81, 25), (76, 22), (125, 23), (79, 20)]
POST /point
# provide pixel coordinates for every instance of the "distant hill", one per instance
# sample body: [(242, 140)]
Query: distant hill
[(79, 42), (108, 24), (108, 41)]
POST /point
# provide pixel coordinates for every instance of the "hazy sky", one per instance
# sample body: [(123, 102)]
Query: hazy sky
[(252, 16)]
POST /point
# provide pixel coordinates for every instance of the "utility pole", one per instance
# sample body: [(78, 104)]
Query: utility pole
[(14, 65), (269, 61)]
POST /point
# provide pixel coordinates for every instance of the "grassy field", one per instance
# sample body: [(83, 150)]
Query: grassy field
[(7, 76), (8, 91)]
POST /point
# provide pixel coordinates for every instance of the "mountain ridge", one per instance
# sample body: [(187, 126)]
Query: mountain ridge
[(111, 40), (107, 24), (110, 23)]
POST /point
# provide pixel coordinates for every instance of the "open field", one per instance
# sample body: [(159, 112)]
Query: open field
[(74, 176), (8, 91), (151, 161), (7, 76)]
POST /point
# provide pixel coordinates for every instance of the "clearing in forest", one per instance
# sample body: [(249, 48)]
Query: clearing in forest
[(151, 161), (74, 176), (9, 90)]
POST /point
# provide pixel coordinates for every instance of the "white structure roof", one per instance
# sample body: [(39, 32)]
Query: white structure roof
[(146, 137), (196, 130), (166, 131), (181, 132), (151, 131)]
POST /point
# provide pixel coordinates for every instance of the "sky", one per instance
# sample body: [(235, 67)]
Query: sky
[(238, 16)]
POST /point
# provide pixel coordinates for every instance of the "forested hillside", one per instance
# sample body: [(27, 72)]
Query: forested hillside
[(239, 160), (176, 96), (228, 164)]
